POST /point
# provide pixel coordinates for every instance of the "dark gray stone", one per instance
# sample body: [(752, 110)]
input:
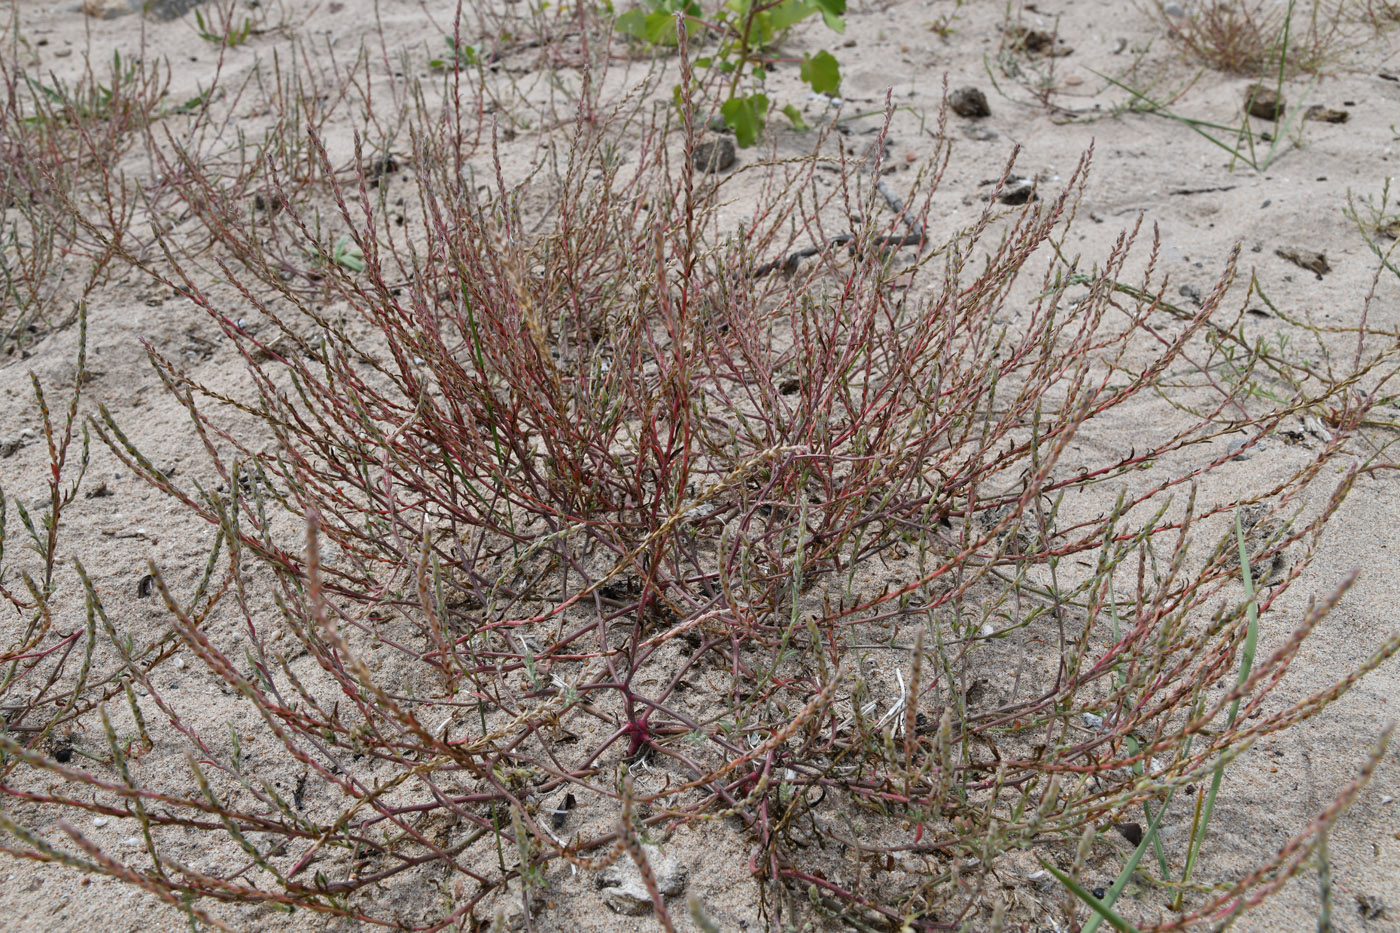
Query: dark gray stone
[(165, 10), (969, 102), (714, 155)]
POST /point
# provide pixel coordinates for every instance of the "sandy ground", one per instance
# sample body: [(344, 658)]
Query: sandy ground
[(1142, 165)]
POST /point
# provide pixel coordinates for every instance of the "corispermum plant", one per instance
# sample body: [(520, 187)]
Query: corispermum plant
[(584, 509), (62, 138)]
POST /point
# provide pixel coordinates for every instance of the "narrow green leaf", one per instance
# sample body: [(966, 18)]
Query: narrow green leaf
[(795, 117), (347, 255), (1124, 876), (1251, 640), (1115, 921)]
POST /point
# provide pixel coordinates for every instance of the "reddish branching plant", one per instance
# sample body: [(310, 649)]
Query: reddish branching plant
[(587, 504)]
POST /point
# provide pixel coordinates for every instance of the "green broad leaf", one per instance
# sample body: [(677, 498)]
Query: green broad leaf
[(822, 73), (661, 29), (655, 28), (790, 12), (759, 74), (760, 29), (672, 7), (795, 117), (633, 23), (831, 11), (745, 116), (704, 62)]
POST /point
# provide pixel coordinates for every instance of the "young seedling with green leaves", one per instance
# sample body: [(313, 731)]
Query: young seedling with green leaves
[(220, 28), (747, 31), (460, 55)]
